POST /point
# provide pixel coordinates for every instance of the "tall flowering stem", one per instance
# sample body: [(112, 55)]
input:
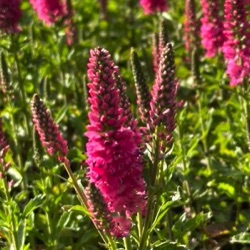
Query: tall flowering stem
[(236, 51), (212, 36), (191, 26), (159, 42), (49, 11), (114, 160), (10, 14), (153, 6), (52, 140), (163, 103), (161, 126)]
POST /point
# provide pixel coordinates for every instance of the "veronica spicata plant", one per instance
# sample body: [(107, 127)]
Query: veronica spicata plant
[(114, 160)]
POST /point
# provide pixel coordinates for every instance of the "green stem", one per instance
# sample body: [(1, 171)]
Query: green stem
[(204, 133), (170, 223), (246, 110), (52, 243), (79, 191), (149, 216), (153, 187), (139, 224), (18, 152), (186, 186), (127, 243), (111, 244)]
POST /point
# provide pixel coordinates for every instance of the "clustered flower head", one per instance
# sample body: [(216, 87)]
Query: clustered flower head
[(236, 48), (49, 11), (50, 136), (212, 37), (10, 15), (163, 104), (153, 6), (114, 159), (158, 107)]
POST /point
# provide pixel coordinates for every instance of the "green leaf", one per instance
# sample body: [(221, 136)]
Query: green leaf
[(62, 112), (227, 189), (184, 226), (168, 245), (21, 234), (243, 238), (63, 221), (33, 204), (162, 211), (76, 208)]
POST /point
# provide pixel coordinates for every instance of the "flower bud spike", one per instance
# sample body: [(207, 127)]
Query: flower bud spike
[(142, 91), (163, 104), (50, 136)]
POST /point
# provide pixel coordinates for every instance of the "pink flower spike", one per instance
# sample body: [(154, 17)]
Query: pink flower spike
[(212, 36), (49, 11), (10, 15), (163, 104), (236, 47), (50, 136), (191, 30), (114, 160), (153, 6)]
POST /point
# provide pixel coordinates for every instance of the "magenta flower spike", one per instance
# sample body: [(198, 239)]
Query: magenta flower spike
[(50, 136), (212, 36), (163, 104), (191, 30), (236, 48), (49, 11), (114, 162), (153, 6), (10, 15)]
